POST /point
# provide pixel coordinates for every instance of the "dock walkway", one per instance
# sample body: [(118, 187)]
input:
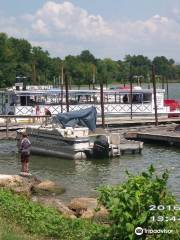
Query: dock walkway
[(163, 135)]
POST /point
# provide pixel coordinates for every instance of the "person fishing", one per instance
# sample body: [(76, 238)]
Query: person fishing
[(25, 146)]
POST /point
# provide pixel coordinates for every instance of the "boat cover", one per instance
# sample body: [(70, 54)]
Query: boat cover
[(85, 117)]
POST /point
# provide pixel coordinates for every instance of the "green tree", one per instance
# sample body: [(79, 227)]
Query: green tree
[(177, 72), (164, 67), (40, 60), (124, 72), (7, 63), (140, 65), (113, 69), (87, 57), (74, 70)]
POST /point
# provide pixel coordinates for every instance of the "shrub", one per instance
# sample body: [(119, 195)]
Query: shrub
[(131, 205)]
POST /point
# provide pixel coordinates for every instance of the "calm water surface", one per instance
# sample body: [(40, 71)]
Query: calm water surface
[(82, 177)]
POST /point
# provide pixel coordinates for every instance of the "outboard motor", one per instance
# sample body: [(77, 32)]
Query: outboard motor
[(101, 147)]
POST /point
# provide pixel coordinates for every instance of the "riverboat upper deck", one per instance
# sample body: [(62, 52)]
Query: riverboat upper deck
[(35, 101)]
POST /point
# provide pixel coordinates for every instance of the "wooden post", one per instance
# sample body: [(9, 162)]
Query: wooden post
[(46, 120), (149, 81), (154, 93), (102, 104), (62, 83), (62, 98), (167, 88), (34, 76), (130, 80), (141, 80), (94, 76), (67, 93), (1, 103), (162, 82), (7, 127), (131, 95)]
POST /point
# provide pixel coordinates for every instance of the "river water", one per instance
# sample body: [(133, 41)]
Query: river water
[(83, 177)]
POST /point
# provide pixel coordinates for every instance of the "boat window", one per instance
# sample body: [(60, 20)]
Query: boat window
[(147, 97), (13, 99), (6, 98), (137, 98), (84, 98), (2, 103), (23, 100)]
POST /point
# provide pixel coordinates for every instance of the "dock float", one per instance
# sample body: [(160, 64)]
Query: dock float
[(130, 147), (166, 137), (120, 146)]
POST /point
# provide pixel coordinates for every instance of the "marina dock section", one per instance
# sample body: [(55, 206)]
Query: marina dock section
[(166, 135)]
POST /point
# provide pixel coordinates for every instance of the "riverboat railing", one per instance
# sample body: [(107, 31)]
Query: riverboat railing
[(108, 108)]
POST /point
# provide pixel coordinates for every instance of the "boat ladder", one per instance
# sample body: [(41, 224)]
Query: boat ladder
[(115, 150)]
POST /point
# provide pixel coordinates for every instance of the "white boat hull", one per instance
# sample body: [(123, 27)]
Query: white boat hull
[(59, 147), (57, 142)]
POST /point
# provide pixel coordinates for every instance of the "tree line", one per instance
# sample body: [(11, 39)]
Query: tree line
[(19, 60)]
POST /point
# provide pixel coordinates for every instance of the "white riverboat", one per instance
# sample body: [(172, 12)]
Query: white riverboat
[(117, 102)]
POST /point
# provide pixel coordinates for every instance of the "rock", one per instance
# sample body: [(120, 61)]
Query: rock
[(102, 215), (17, 183), (56, 203), (47, 187), (81, 205), (89, 214), (28, 184), (88, 208)]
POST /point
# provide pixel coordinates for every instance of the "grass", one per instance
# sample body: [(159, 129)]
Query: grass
[(35, 219), (10, 231)]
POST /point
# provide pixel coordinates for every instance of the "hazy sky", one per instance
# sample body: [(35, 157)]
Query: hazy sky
[(108, 28)]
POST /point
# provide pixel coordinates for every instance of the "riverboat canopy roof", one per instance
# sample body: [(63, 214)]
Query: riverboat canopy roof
[(79, 92), (85, 117)]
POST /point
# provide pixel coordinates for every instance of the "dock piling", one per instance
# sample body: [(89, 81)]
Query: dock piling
[(7, 127), (154, 93), (102, 105)]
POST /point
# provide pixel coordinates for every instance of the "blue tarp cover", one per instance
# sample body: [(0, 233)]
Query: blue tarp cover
[(85, 117)]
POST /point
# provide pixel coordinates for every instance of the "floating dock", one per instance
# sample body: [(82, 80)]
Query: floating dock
[(119, 145), (126, 147), (161, 135), (136, 121)]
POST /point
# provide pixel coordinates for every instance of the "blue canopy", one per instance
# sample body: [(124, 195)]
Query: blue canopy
[(85, 117)]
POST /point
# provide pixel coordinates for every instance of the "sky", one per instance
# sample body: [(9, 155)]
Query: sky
[(107, 28)]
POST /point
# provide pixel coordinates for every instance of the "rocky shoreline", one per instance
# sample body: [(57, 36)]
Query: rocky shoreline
[(47, 193)]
